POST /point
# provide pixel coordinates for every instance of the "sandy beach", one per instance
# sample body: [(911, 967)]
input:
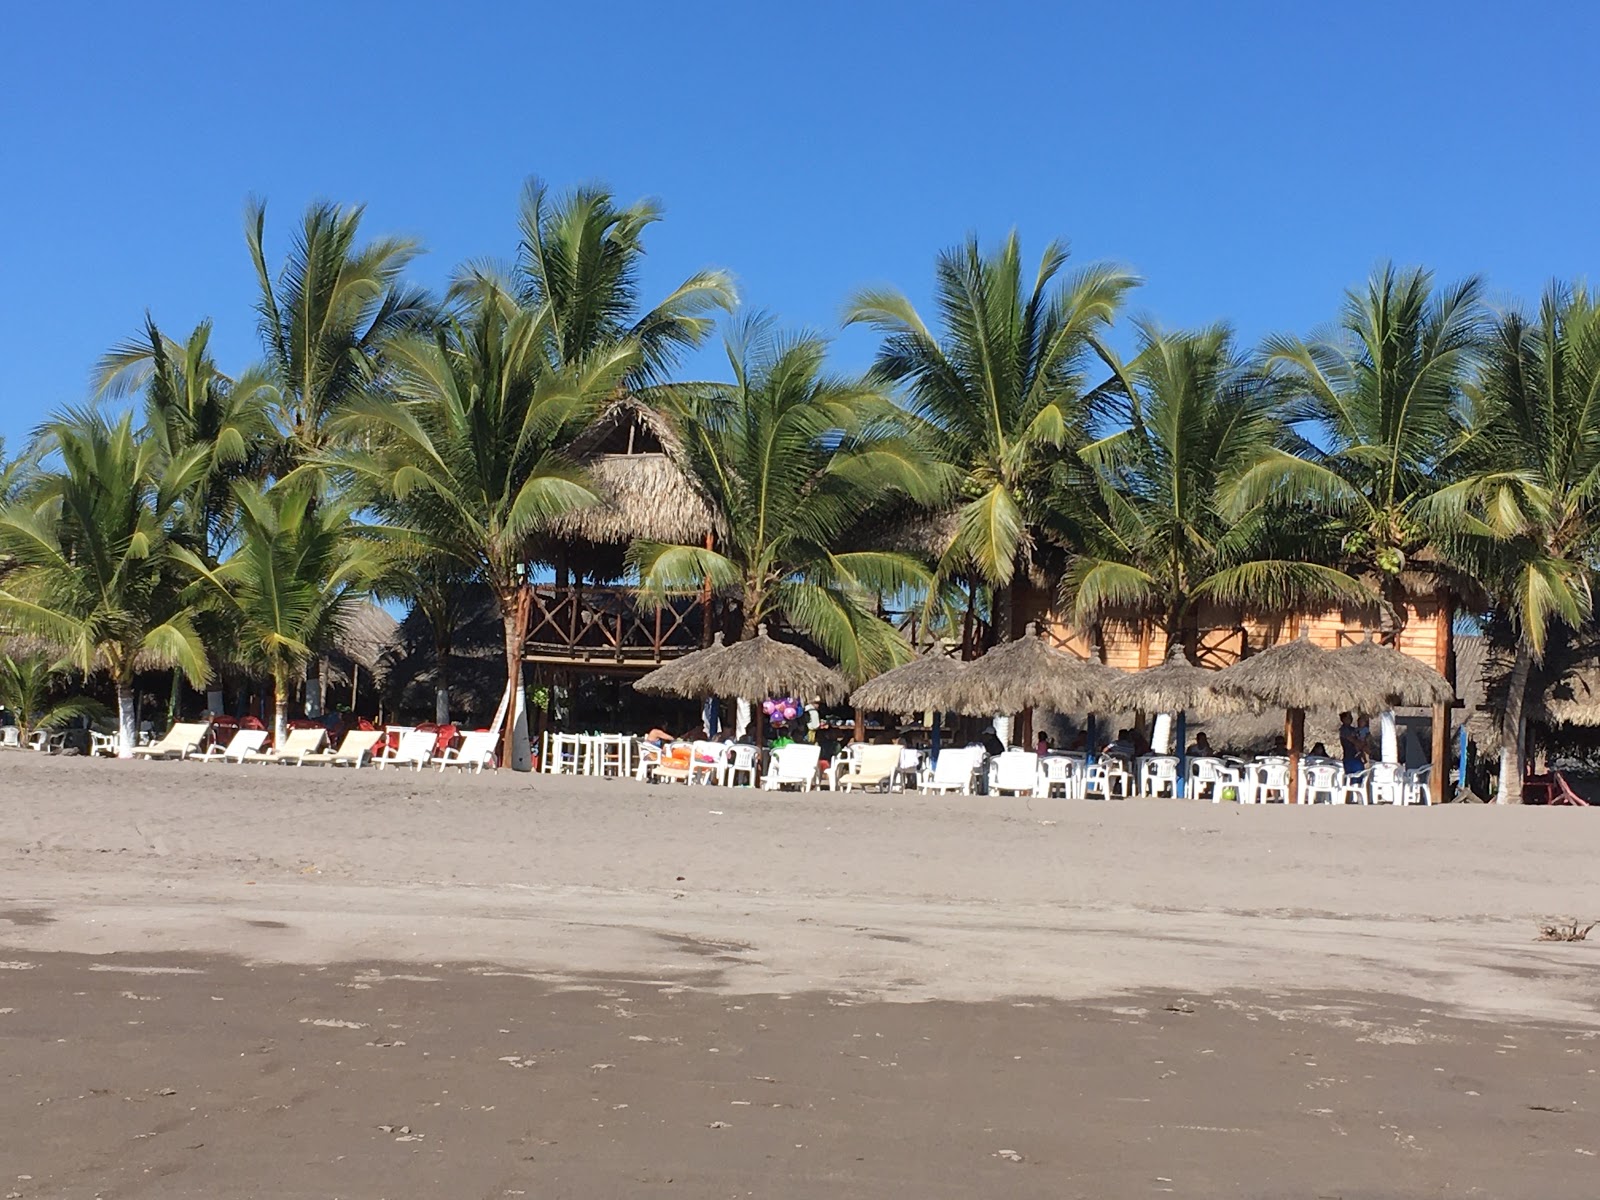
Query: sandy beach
[(563, 987)]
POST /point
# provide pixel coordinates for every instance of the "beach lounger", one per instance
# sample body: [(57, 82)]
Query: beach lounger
[(415, 750), (182, 740), (243, 742), (795, 765), (872, 767), (674, 764), (355, 749), (476, 751), (955, 771), (296, 746)]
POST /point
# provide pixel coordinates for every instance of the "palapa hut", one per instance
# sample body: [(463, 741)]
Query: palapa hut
[(932, 681), (1029, 673), (584, 620)]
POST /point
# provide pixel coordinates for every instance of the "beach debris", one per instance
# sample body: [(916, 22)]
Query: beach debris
[(1545, 1108), (1008, 1155), (517, 1061), (719, 1125), (1178, 1006), (332, 1023), (167, 1092), (1570, 932), (601, 1066), (395, 1128)]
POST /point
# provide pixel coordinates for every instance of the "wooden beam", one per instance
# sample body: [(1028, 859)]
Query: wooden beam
[(1443, 628)]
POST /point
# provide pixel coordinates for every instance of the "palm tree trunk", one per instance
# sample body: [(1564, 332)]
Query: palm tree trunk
[(516, 752), (127, 724), (441, 680), (1514, 729), (280, 707)]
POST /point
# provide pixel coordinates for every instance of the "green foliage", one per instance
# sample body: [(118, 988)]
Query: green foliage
[(30, 687), (792, 458)]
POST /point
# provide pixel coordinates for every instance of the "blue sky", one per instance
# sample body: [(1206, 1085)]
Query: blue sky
[(1249, 160)]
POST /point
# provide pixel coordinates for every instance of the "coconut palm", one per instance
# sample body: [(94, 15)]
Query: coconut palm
[(15, 472), (299, 570), (1152, 536), (190, 404), (1003, 387), (30, 685), (1532, 498), (578, 264), (327, 317), (792, 459), (94, 560), (1383, 400), (468, 458)]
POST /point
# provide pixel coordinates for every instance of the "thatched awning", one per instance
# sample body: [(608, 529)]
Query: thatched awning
[(754, 669), (1028, 673), (668, 679), (1407, 683), (635, 459), (933, 681), (1176, 686), (1300, 674), (367, 637)]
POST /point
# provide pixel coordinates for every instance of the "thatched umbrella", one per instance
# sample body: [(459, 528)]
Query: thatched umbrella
[(753, 669), (929, 682), (1029, 673), (1297, 675), (1407, 683), (1177, 686)]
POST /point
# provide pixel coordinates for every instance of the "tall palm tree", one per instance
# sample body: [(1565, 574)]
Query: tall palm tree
[(95, 562), (327, 317), (1153, 534), (793, 459), (190, 404), (29, 687), (1531, 501), (298, 571), (578, 263), (1383, 401), (15, 471), (1003, 387), (469, 458)]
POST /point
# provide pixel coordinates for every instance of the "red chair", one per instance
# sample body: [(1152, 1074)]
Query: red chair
[(446, 739)]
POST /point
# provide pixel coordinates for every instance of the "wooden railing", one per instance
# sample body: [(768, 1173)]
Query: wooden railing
[(601, 625)]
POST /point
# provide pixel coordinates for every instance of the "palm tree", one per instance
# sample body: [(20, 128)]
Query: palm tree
[(1531, 502), (190, 404), (15, 472), (1383, 398), (300, 568), (1003, 389), (578, 263), (95, 568), (793, 459), (327, 318), (1152, 534), (27, 684), (468, 459)]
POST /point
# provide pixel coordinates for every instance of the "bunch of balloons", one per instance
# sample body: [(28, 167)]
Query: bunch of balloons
[(784, 710)]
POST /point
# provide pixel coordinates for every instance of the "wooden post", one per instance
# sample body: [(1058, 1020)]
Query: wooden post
[(705, 602), (1294, 732), (1027, 729), (1443, 629), (1144, 644), (861, 725)]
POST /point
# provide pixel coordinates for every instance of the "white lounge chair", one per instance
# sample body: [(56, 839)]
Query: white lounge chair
[(955, 771), (355, 750), (182, 740), (1015, 771), (872, 767), (476, 751), (298, 744), (243, 742), (415, 750), (794, 765), (10, 737)]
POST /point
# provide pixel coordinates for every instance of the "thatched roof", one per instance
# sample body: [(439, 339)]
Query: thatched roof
[(1029, 673), (1407, 682), (1177, 685), (367, 636), (929, 682), (754, 669), (634, 459), (668, 679), (1301, 674)]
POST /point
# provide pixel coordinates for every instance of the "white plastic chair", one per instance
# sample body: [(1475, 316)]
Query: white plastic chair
[(910, 769), (1387, 784), (1270, 781), (1354, 789), (954, 772), (1419, 785), (10, 737), (1108, 778), (706, 760), (1321, 783), (610, 754), (1061, 771), (1158, 775), (476, 751), (841, 763), (1015, 771), (566, 754), (794, 765), (1205, 774), (742, 760)]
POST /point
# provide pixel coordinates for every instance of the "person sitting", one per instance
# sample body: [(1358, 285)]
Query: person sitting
[(1043, 746), (991, 743), (658, 737), (1201, 747), (1280, 748), (1317, 751), (1122, 745)]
